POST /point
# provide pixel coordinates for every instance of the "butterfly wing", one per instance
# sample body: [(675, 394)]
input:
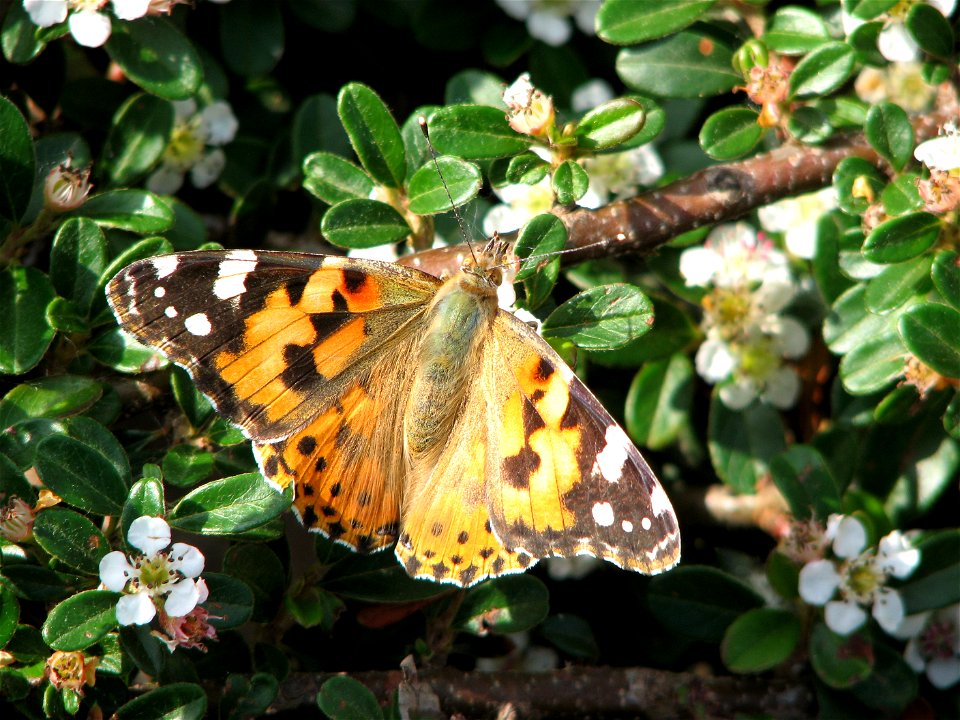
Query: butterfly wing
[(446, 534), (272, 338), (347, 464), (563, 479)]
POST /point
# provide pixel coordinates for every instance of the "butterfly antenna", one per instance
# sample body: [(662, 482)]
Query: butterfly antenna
[(422, 121), (619, 238)]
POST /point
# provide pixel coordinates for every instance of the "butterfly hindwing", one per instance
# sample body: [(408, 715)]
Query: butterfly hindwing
[(564, 479), (273, 338)]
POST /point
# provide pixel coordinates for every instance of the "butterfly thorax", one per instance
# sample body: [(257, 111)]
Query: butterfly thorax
[(457, 321)]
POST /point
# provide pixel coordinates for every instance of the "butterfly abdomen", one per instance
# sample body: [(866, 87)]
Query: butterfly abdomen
[(457, 322)]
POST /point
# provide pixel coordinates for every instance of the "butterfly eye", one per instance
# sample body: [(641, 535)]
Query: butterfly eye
[(496, 276)]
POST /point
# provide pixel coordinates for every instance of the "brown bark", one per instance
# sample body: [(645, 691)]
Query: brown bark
[(575, 692)]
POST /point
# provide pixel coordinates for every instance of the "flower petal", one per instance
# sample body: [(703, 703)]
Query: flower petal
[(844, 617), (896, 44), (182, 598), (115, 570), (698, 265), (783, 387), (943, 672), (739, 394), (165, 180), (208, 168), (818, 582), (149, 534), (89, 28), (888, 609), (46, 12), (186, 559), (130, 9), (549, 27), (218, 123), (851, 539), (136, 609), (896, 556)]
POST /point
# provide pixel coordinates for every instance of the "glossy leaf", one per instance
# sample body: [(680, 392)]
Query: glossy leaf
[(946, 276), (897, 283), (823, 70), (627, 22), (71, 538), (475, 132), (334, 179), (138, 211), (513, 603), (174, 701), (889, 131), (137, 138), (155, 55), (806, 483), (343, 698), (570, 182), (55, 396), (77, 260), (373, 133), (601, 318), (930, 29), (659, 402), (427, 193), (363, 224), (25, 293), (839, 661), (795, 30), (760, 639), (543, 235), (17, 162), (228, 506), (692, 63), (611, 124), (730, 133), (873, 365), (82, 620), (742, 443), (858, 184), (930, 332)]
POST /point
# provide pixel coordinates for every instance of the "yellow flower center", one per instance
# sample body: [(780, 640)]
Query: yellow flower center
[(186, 144)]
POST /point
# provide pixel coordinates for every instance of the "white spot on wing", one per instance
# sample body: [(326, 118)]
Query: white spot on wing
[(159, 291), (610, 461), (603, 514), (165, 265), (646, 524), (660, 502), (198, 324), (232, 273), (170, 312), (627, 526)]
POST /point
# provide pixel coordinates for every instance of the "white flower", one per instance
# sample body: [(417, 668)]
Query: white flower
[(934, 646), (859, 576), (518, 205), (157, 576), (590, 94), (618, 175), (549, 20), (901, 83), (895, 43), (797, 219), (88, 23), (194, 146), (943, 152)]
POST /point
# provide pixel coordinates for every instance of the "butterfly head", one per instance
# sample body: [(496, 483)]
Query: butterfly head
[(488, 264)]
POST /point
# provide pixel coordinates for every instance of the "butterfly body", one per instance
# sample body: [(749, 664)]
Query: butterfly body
[(404, 409)]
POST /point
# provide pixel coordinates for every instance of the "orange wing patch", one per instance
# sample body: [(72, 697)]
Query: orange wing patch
[(342, 488)]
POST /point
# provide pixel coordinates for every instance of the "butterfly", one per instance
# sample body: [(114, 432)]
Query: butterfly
[(404, 408)]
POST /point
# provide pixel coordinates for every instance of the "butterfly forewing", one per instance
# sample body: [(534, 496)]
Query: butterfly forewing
[(272, 338)]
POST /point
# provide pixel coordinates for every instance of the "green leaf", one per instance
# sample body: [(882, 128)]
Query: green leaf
[(673, 331), (809, 125), (730, 133), (137, 138), (891, 687), (513, 603), (55, 396), (228, 506), (527, 168), (146, 497), (174, 701), (855, 174), (902, 238), (186, 465), (935, 583), (9, 614), (77, 259), (849, 324), (543, 235), (260, 570), (570, 182), (119, 350), (17, 162), (475, 132), (247, 698), (71, 538), (760, 639), (867, 9), (889, 131), (699, 602), (659, 402), (19, 37), (692, 63), (334, 179), (627, 22), (897, 284), (804, 479), (138, 211), (230, 603), (823, 70), (85, 466), (613, 123), (317, 128), (251, 36), (343, 698), (25, 293), (931, 30), (363, 224), (873, 365), (839, 661), (148, 247), (82, 620), (946, 276), (742, 443), (602, 318), (64, 316), (155, 55), (930, 332), (655, 119), (795, 30), (572, 635), (901, 196), (427, 194), (783, 575), (373, 133)]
